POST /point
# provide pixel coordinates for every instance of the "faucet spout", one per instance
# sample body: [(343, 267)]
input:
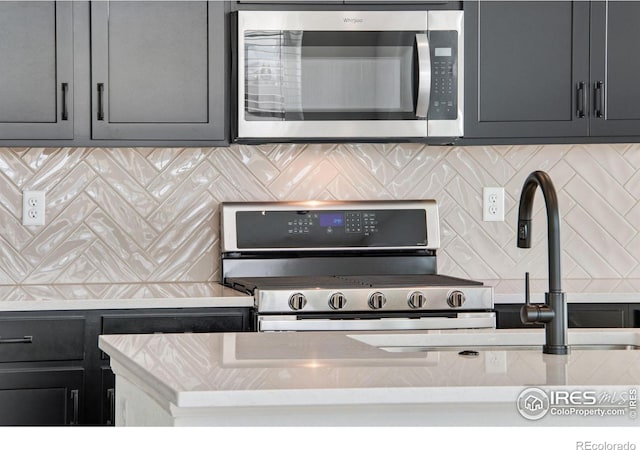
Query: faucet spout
[(554, 312), (525, 210)]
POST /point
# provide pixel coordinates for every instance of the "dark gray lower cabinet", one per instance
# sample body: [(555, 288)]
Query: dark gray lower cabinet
[(143, 322), (41, 396), (173, 322), (634, 315), (601, 315), (108, 402), (53, 373), (41, 368)]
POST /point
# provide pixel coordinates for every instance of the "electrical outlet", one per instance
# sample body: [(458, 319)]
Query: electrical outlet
[(33, 203), (493, 204), (495, 362)]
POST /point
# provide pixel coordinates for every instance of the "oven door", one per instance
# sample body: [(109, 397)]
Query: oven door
[(338, 74), (369, 323)]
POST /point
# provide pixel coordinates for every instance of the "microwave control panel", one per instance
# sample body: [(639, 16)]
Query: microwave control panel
[(444, 75)]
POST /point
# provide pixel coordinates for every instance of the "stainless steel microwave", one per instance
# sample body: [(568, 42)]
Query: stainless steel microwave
[(350, 74)]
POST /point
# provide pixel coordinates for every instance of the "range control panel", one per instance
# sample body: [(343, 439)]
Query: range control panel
[(357, 222), (444, 75), (333, 228)]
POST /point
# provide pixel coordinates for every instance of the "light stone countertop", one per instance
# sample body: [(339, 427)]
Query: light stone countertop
[(207, 295), (119, 296), (280, 370), (577, 291)]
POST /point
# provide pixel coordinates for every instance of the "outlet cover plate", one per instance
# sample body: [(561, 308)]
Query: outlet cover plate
[(493, 204), (33, 207)]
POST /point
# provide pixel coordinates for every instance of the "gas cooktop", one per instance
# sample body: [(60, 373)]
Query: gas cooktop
[(250, 284)]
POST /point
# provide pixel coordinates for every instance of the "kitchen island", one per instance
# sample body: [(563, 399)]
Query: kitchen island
[(366, 379)]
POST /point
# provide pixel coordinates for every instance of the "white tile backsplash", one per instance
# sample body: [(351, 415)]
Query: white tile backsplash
[(128, 215)]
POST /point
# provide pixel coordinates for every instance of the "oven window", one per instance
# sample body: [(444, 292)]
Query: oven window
[(321, 75)]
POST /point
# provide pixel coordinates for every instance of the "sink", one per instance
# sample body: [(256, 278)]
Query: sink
[(494, 348), (498, 340)]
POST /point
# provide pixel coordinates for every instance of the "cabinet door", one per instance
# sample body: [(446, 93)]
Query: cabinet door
[(39, 397), (634, 316), (157, 70), (526, 68), (277, 2), (397, 2), (615, 37), (108, 402), (36, 79)]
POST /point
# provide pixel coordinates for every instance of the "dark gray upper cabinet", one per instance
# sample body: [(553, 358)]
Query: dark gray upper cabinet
[(36, 79), (347, 2), (526, 69), (395, 2), (277, 2), (157, 70), (615, 36)]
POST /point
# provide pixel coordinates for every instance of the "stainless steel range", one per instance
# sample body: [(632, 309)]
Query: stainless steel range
[(321, 266)]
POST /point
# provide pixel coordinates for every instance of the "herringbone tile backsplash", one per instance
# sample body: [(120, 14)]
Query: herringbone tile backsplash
[(127, 215)]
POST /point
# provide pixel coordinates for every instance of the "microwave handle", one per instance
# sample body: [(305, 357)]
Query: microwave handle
[(424, 75)]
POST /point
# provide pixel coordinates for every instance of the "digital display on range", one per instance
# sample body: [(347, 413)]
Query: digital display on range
[(331, 220)]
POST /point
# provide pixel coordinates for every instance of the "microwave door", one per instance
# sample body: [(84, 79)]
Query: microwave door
[(333, 83)]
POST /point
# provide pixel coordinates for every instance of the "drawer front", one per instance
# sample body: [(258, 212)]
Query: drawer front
[(41, 339), (173, 323)]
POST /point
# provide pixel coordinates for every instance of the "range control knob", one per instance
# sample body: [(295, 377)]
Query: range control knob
[(297, 301), (456, 299), (416, 300), (337, 300), (377, 300)]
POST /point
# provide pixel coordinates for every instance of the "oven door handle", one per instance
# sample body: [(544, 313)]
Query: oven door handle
[(293, 323), (424, 75)]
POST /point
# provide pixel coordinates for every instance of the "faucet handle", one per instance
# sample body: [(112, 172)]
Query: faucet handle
[(527, 290), (533, 313), (528, 313)]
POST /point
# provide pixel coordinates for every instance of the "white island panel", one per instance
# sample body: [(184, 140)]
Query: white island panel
[(339, 379)]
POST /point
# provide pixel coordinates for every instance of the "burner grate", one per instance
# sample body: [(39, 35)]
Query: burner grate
[(346, 282)]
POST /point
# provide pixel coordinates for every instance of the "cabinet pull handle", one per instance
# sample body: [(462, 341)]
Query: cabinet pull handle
[(100, 101), (599, 99), (581, 100), (65, 90), (75, 395), (111, 398), (22, 340)]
